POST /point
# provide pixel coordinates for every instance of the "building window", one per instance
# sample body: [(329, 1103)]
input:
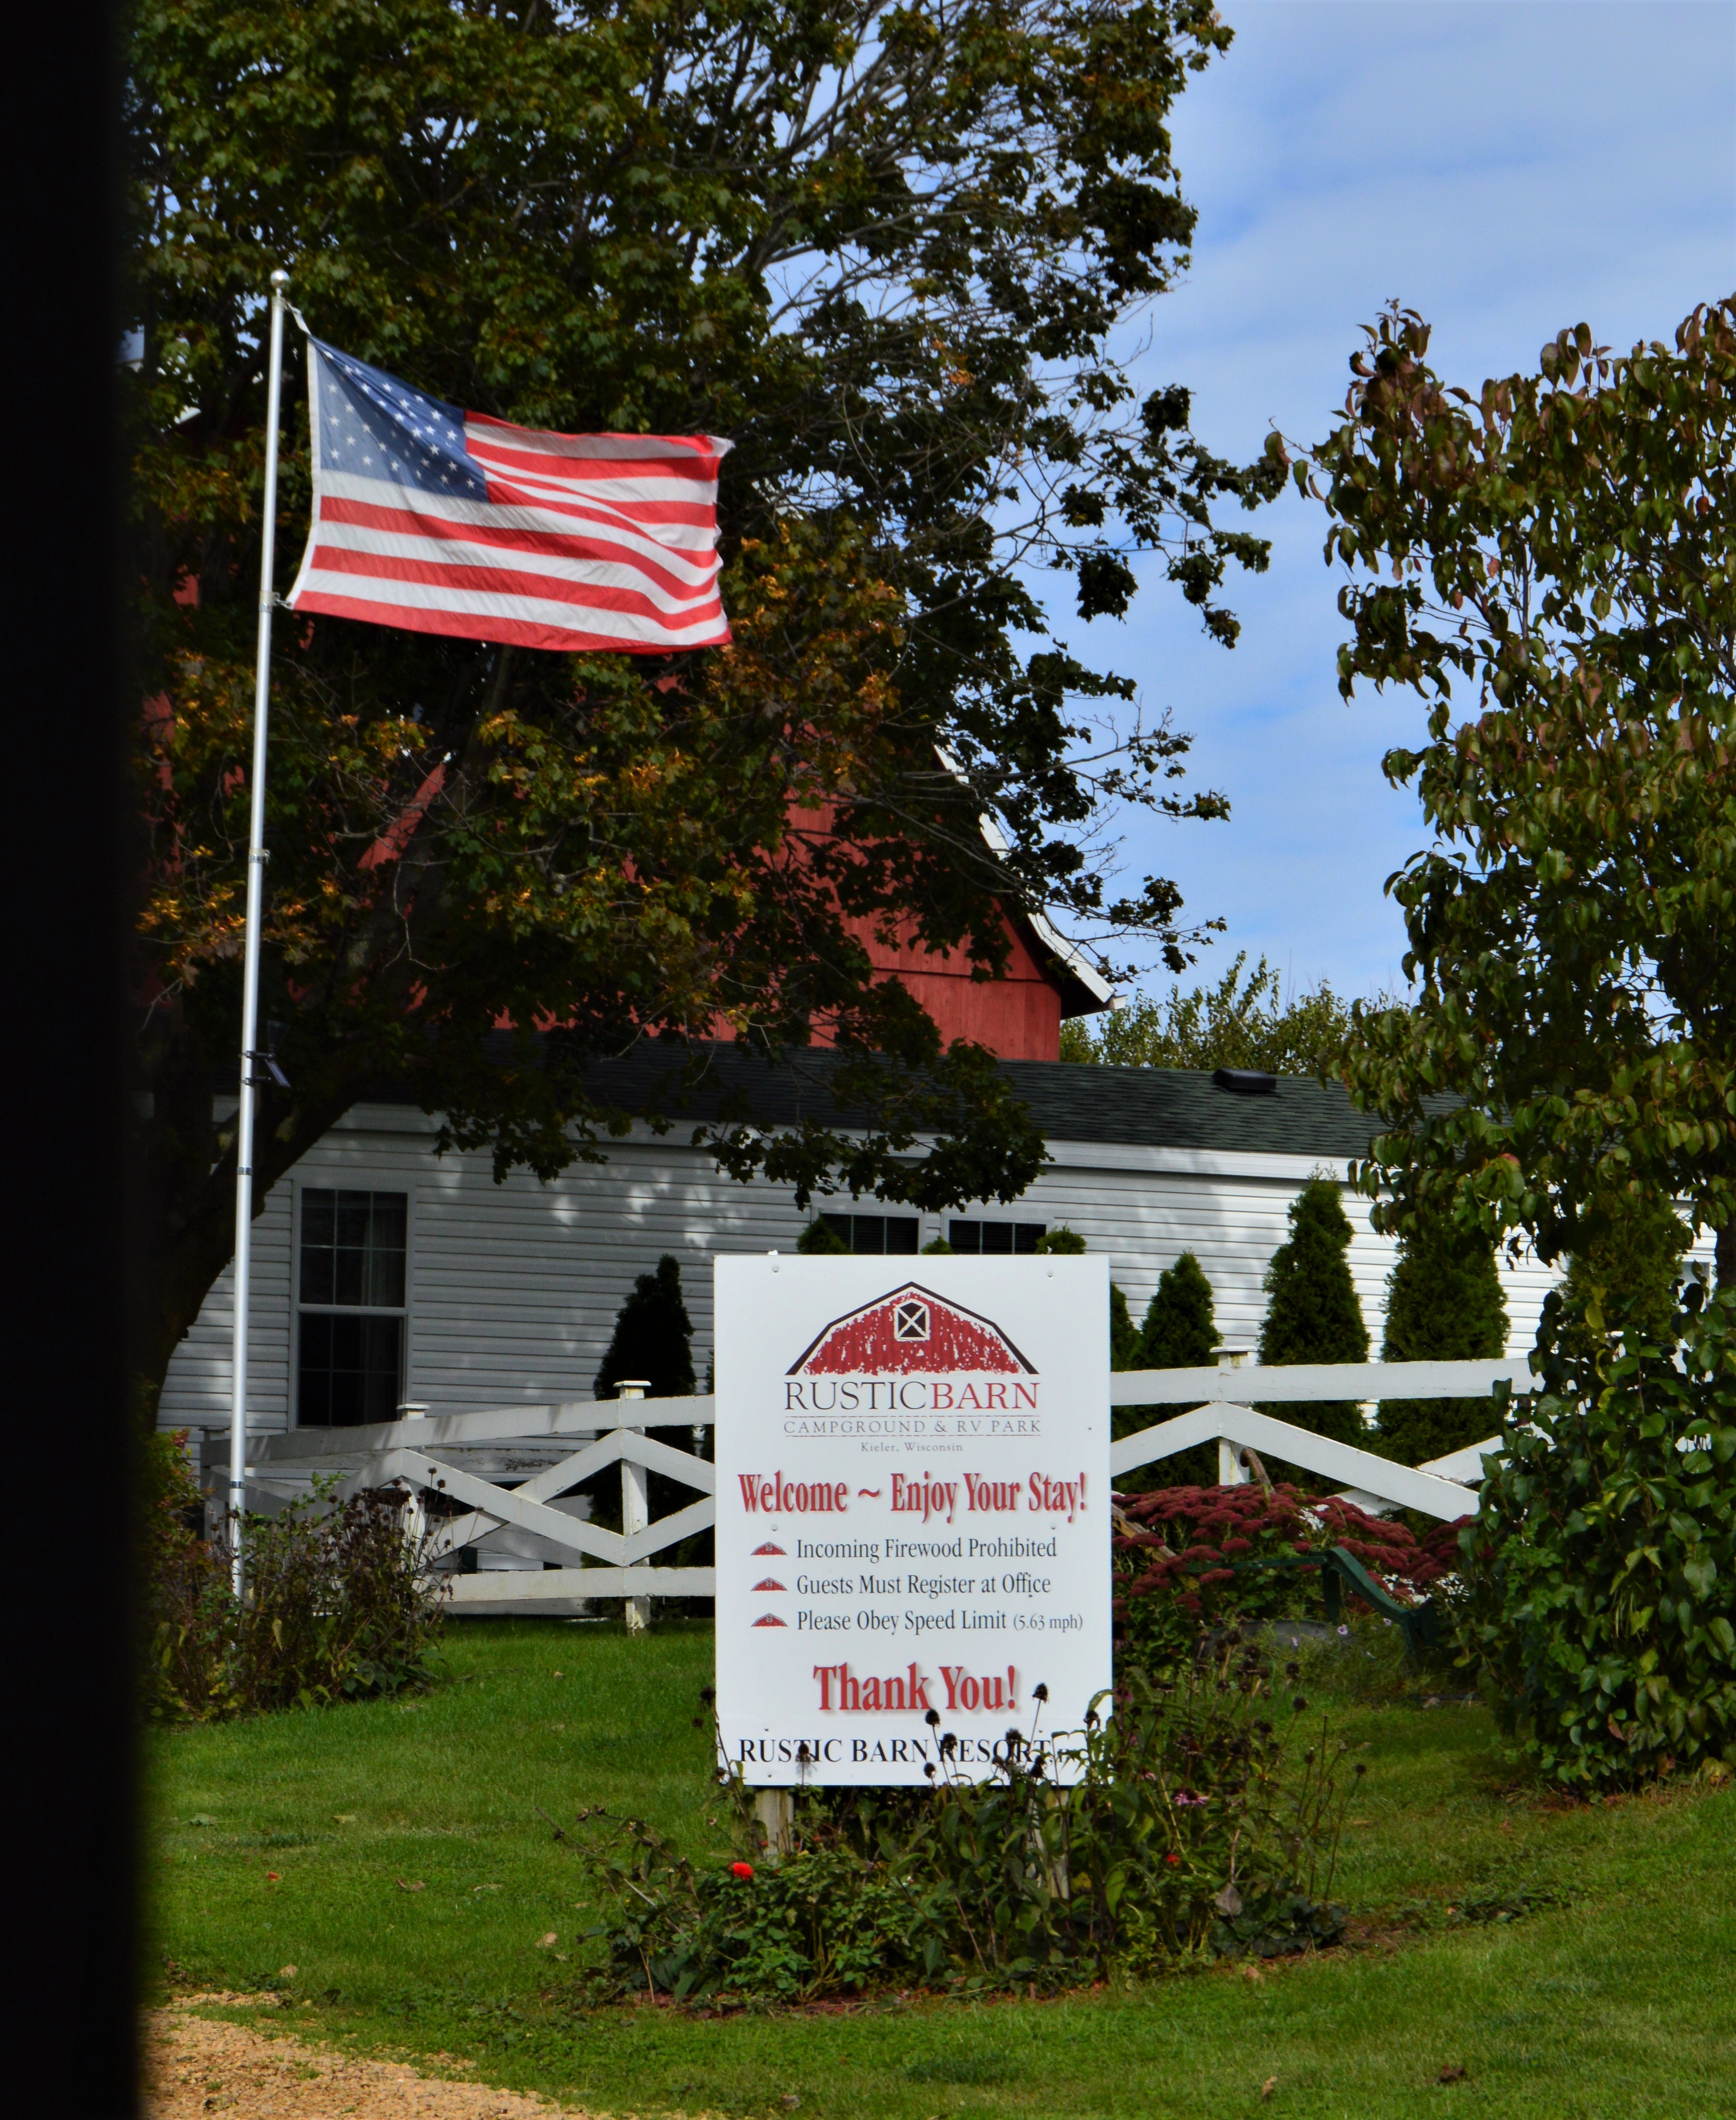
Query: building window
[(875, 1234), (351, 1309), (996, 1238)]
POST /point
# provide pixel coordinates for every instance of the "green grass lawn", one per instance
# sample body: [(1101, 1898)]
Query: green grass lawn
[(288, 1841)]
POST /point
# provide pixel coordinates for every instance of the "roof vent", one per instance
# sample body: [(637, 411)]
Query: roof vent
[(1245, 1081)]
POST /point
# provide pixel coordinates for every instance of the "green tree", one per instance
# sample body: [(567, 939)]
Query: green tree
[(887, 250), (1312, 1314), (1180, 1333), (1238, 1022), (1444, 1303), (1548, 563), (820, 1240)]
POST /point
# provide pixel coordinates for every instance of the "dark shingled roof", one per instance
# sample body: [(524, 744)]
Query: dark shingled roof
[(1183, 1108), (1136, 1106)]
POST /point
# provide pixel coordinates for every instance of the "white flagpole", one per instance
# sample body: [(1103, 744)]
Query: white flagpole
[(257, 858)]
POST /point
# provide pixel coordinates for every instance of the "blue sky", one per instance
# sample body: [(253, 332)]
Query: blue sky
[(1505, 168)]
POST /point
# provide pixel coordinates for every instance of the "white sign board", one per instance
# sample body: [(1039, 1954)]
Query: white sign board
[(912, 1509)]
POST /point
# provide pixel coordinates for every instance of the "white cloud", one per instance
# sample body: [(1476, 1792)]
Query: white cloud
[(1505, 168)]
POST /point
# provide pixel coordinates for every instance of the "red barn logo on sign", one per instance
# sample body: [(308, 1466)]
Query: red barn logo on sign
[(906, 1332)]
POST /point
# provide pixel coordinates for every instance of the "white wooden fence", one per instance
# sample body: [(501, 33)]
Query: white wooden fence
[(512, 1469)]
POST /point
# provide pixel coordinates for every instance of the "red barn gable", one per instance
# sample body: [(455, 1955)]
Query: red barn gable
[(910, 1330)]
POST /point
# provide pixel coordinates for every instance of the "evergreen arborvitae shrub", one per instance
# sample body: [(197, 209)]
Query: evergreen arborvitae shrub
[(820, 1240), (1180, 1333), (1312, 1314), (1631, 1262), (654, 1339), (1124, 1335), (1444, 1303)]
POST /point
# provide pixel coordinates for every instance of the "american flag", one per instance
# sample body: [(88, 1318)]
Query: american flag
[(450, 522)]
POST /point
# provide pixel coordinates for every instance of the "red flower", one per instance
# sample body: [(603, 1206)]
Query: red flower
[(741, 1869), (1171, 1858)]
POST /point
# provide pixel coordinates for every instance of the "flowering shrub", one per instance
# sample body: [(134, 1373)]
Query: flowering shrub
[(1184, 1824), (1195, 1564)]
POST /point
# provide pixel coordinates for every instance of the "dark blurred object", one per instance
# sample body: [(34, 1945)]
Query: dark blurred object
[(63, 865)]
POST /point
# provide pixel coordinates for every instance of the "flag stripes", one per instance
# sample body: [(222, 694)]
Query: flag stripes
[(459, 523)]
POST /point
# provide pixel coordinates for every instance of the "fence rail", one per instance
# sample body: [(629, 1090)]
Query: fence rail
[(426, 1454)]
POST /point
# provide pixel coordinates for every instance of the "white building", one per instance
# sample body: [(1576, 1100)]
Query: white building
[(384, 1273)]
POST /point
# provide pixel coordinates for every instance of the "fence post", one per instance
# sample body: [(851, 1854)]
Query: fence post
[(1231, 1472), (635, 1504), (775, 1811), (416, 1508)]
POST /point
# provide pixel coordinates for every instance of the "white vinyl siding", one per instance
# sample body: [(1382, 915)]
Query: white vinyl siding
[(513, 1288)]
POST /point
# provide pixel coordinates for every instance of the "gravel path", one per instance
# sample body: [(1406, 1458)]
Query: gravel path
[(196, 2066)]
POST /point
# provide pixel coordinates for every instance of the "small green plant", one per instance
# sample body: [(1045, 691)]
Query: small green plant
[(1181, 1824), (1599, 1572), (820, 1240)]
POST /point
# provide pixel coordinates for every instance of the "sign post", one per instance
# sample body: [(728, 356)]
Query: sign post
[(913, 1514)]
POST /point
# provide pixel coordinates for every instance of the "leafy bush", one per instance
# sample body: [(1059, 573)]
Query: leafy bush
[(1192, 1565), (1600, 1601), (339, 1603), (1183, 1825)]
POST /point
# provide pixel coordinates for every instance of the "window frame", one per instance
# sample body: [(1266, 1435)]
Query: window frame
[(831, 1216), (955, 1222), (352, 1181)]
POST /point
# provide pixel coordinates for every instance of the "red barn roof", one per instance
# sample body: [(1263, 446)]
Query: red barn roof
[(909, 1330)]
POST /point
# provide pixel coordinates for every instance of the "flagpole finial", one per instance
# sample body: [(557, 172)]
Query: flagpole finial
[(280, 279)]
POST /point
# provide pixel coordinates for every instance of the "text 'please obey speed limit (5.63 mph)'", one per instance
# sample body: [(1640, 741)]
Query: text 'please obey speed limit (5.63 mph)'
[(912, 1511)]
